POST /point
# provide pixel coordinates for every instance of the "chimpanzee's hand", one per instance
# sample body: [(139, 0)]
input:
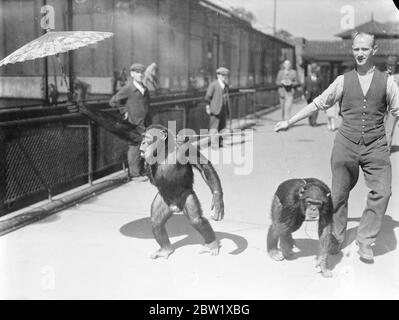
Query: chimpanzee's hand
[(73, 108), (218, 205)]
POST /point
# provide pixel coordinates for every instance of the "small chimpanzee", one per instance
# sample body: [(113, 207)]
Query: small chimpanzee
[(294, 201), (168, 163)]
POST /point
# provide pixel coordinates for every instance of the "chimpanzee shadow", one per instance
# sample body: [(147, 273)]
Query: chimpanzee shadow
[(386, 240), (178, 225), (309, 248)]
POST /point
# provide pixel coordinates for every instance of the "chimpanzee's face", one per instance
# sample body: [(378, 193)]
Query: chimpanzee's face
[(153, 142), (145, 145), (313, 199), (313, 208)]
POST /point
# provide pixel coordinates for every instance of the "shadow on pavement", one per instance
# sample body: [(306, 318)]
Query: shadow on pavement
[(305, 140), (178, 225), (310, 247), (386, 240)]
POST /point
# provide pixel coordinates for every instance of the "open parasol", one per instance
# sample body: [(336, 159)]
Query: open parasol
[(54, 43)]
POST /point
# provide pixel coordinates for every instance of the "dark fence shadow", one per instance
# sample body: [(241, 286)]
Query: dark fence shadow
[(178, 225)]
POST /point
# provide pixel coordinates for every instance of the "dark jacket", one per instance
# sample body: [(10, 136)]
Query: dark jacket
[(216, 96), (137, 104), (311, 88)]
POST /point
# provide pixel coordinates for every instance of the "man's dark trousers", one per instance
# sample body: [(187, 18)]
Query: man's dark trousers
[(373, 158), (216, 124)]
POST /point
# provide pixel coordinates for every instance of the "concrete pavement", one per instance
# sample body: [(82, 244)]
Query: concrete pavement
[(100, 248)]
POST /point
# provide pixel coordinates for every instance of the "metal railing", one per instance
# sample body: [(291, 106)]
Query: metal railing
[(45, 151)]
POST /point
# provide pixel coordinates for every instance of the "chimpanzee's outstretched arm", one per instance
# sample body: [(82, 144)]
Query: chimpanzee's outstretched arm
[(123, 129), (209, 174)]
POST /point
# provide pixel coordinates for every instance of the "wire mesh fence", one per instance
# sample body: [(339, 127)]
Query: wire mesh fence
[(43, 156)]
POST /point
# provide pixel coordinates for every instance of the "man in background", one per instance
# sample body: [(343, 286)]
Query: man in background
[(217, 99), (312, 88), (287, 80), (136, 111)]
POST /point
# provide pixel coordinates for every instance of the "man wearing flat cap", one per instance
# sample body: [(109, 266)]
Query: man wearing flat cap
[(135, 111), (217, 99)]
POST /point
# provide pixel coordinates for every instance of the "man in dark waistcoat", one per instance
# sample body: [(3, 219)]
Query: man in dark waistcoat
[(365, 94), (136, 111)]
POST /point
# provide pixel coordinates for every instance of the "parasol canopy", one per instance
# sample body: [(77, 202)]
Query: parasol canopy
[(53, 43)]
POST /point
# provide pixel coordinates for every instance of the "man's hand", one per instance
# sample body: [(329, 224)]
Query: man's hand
[(286, 82), (218, 205), (208, 109), (282, 125)]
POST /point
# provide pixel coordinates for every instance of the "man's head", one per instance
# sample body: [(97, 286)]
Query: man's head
[(314, 68), (223, 74), (287, 65), (363, 48), (137, 71)]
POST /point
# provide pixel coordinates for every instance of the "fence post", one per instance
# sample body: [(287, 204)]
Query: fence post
[(3, 185), (90, 157)]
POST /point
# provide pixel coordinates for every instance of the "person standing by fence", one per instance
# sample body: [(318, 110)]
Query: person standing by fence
[(287, 81), (312, 88), (217, 98), (136, 111)]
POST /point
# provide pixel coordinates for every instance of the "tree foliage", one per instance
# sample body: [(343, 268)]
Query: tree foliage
[(244, 14)]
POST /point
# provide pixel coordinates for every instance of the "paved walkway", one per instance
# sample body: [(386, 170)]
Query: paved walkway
[(100, 249)]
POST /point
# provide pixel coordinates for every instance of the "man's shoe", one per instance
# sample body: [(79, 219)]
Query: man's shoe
[(365, 252)]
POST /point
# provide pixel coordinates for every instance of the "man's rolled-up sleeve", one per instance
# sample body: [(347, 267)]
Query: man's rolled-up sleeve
[(393, 96), (331, 95)]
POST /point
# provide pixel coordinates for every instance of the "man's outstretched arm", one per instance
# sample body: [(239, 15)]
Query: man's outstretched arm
[(123, 129), (327, 99), (301, 114)]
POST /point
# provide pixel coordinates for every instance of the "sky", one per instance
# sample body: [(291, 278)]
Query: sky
[(317, 19)]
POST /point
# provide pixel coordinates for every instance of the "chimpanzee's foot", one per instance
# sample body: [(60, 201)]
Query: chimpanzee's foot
[(162, 253), (288, 254), (322, 267), (276, 255), (212, 248)]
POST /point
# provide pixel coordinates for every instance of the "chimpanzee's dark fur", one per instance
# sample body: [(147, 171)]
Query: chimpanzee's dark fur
[(292, 200)]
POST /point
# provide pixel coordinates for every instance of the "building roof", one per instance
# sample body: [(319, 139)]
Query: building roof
[(378, 29), (341, 49)]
